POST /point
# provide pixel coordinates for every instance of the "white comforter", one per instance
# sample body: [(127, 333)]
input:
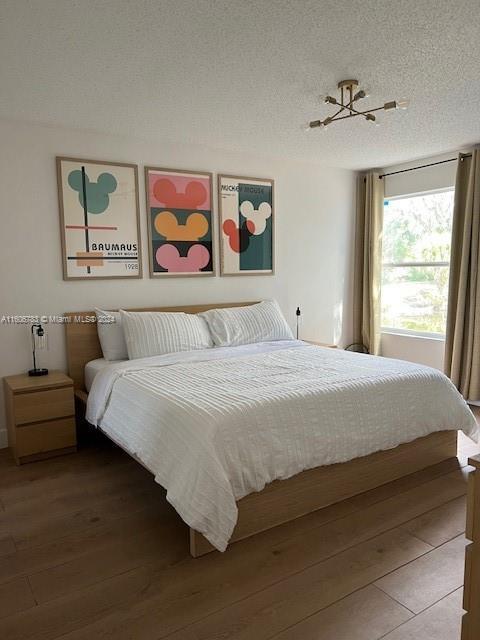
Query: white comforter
[(216, 425)]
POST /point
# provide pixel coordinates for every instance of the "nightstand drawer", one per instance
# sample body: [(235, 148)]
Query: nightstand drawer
[(45, 436), (37, 406)]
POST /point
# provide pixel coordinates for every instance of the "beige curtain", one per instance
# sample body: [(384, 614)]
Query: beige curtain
[(462, 347), (368, 259)]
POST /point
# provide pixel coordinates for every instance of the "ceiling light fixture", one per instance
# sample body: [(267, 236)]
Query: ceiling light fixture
[(350, 94)]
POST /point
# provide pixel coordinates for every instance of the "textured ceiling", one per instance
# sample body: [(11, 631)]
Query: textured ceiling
[(244, 74)]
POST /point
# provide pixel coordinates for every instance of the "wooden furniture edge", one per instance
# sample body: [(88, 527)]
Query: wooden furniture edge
[(41, 383), (474, 461), (285, 500), (328, 345), (82, 396), (45, 455), (471, 593), (82, 340)]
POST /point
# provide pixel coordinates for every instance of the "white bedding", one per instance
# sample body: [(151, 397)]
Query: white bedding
[(216, 425), (93, 367)]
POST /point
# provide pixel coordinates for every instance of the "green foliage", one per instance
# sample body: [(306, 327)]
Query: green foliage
[(416, 229)]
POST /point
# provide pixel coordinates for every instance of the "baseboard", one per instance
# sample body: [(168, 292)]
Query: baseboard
[(3, 439)]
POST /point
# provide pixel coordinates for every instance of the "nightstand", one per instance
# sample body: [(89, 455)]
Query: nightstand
[(471, 593), (321, 344), (40, 416)]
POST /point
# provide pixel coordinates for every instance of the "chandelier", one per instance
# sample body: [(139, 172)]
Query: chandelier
[(350, 95)]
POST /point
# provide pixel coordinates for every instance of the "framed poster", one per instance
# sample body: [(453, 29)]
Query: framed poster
[(246, 226), (180, 222), (99, 217)]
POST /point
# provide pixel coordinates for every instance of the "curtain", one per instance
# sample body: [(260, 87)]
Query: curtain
[(368, 259), (462, 346)]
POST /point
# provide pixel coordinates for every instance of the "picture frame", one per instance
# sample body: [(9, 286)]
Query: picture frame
[(99, 219), (180, 222), (246, 225)]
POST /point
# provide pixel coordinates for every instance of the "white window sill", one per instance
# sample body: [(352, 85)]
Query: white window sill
[(437, 337)]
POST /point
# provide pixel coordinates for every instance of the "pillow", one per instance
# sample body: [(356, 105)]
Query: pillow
[(110, 334), (153, 333), (245, 325)]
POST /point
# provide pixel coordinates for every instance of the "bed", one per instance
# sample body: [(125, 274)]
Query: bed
[(246, 438)]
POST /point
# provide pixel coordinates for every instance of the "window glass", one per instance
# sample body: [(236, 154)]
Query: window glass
[(416, 254)]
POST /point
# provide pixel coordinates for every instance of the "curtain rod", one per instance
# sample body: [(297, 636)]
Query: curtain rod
[(423, 166)]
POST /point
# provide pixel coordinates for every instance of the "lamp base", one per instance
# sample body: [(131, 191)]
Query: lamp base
[(38, 372)]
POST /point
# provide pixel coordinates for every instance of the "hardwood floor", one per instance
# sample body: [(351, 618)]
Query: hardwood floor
[(90, 549)]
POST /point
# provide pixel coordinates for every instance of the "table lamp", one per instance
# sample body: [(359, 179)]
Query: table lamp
[(37, 332)]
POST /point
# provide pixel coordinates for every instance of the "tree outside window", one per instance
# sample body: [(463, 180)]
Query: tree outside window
[(416, 259)]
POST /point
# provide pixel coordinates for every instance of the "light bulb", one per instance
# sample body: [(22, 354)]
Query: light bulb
[(330, 100), (306, 127), (360, 95), (403, 103)]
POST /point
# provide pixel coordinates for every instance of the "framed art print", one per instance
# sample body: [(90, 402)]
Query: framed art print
[(180, 222), (246, 226), (99, 218)]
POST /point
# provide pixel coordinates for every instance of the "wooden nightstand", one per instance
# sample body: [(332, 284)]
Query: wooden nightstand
[(40, 416), (321, 344)]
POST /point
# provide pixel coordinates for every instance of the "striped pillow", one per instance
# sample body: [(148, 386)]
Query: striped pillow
[(260, 322), (154, 333), (110, 334)]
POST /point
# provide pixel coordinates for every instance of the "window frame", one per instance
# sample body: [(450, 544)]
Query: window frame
[(414, 332)]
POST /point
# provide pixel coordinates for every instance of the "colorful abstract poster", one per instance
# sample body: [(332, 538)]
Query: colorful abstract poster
[(246, 225), (180, 222), (99, 219)]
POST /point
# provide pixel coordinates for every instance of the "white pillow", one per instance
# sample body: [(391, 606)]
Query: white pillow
[(153, 333), (110, 334), (260, 322)]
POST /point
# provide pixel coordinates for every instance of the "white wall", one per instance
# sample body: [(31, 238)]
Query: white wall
[(314, 225), (428, 351)]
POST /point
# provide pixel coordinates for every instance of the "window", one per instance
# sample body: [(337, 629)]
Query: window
[(416, 259)]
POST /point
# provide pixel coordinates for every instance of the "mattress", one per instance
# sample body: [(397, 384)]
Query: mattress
[(93, 367), (216, 425)]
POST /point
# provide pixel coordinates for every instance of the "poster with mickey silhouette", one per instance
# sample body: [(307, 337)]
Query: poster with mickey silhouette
[(246, 226), (180, 222), (99, 217)]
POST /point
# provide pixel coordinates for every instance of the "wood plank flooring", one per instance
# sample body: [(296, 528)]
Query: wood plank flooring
[(90, 549)]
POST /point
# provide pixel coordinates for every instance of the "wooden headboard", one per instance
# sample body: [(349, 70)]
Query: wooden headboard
[(82, 338)]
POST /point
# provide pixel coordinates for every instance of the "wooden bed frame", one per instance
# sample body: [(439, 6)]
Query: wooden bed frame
[(282, 500)]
